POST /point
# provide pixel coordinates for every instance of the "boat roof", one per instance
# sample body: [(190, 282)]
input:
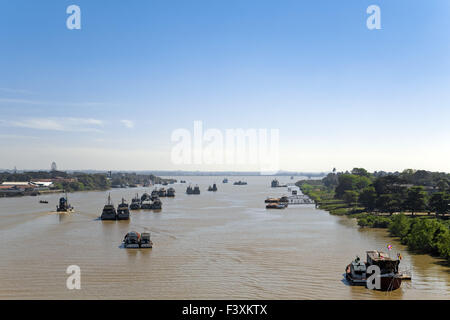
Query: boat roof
[(376, 255)]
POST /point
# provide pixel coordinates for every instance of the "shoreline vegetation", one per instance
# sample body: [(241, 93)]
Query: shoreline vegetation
[(43, 182), (414, 205)]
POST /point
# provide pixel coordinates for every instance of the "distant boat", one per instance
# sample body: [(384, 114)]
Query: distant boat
[(135, 203), (277, 205), (196, 190), (240, 183), (274, 183), (225, 180), (43, 201), (171, 192), (64, 205), (162, 192), (123, 212), (109, 212), (213, 188)]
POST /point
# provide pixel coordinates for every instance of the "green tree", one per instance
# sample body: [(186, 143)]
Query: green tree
[(440, 203), (351, 197), (368, 198), (400, 226), (416, 199), (360, 172)]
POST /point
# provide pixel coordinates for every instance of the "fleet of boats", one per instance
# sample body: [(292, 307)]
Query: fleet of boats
[(356, 273)]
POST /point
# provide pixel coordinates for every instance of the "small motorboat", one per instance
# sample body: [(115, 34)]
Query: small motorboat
[(43, 201), (277, 205)]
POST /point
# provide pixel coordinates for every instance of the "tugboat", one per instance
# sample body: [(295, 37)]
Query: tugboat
[(171, 192), (275, 183), (156, 204), (109, 212), (134, 240), (277, 205), (123, 213), (189, 190), (145, 240), (240, 183), (64, 205), (162, 192), (196, 190), (225, 180), (145, 196), (135, 203), (213, 188), (390, 277), (146, 204), (155, 194)]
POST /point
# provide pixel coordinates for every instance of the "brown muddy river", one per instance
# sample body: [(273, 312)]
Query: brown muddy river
[(222, 245)]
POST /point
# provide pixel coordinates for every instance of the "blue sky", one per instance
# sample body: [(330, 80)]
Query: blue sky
[(109, 96)]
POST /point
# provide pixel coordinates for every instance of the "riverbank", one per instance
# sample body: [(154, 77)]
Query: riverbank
[(423, 232)]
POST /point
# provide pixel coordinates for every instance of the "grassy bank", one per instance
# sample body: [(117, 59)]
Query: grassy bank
[(421, 233)]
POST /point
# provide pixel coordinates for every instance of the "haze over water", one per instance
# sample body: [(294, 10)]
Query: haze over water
[(216, 245)]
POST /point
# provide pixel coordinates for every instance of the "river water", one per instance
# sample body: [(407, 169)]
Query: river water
[(216, 245)]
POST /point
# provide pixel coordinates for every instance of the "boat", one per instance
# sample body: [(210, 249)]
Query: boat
[(390, 277), (272, 200), (240, 183), (135, 203), (182, 181), (189, 190), (123, 212), (171, 192), (225, 180), (109, 212), (147, 204), (155, 194), (64, 205), (277, 205), (165, 183), (132, 240), (145, 196), (145, 240), (156, 204), (43, 201), (274, 183), (213, 188), (135, 240), (162, 192), (292, 177), (196, 190)]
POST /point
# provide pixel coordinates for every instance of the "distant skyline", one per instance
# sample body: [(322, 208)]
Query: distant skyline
[(109, 96)]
